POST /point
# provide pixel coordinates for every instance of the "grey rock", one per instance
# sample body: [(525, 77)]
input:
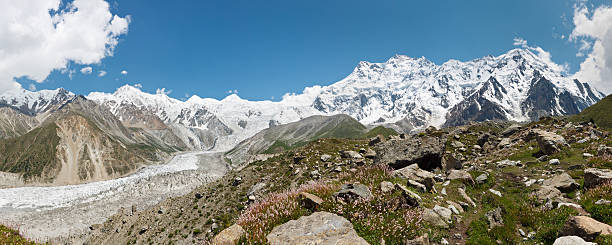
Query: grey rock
[(325, 157), (310, 201), (422, 240), (350, 154), (497, 193), (426, 151), (563, 182), (318, 228), (604, 150), (351, 192), (587, 155), (411, 198), (482, 139), (511, 130), (230, 235), (466, 197), (457, 206), (420, 187), (481, 179), (585, 227), (506, 163), (572, 240), (413, 172), (386, 186), (376, 140), (549, 142), (505, 142), (494, 217), (457, 144), (461, 175), (554, 161), (595, 176), (603, 202), (370, 154), (433, 218)]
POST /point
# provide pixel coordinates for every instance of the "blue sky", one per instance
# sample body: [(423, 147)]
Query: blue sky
[(264, 49)]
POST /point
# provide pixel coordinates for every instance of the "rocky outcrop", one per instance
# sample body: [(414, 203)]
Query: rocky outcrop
[(595, 176), (549, 143), (572, 240), (563, 182), (318, 228), (229, 236), (426, 151), (585, 227)]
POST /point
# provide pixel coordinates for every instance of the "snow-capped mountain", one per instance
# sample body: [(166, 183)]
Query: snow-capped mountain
[(415, 93), (403, 91)]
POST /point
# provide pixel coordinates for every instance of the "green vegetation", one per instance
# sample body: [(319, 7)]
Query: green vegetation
[(599, 113), (31, 153), (379, 130), (11, 236)]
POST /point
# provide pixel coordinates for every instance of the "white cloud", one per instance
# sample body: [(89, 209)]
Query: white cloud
[(593, 30), (541, 53), (86, 70), (32, 87), (102, 73), (138, 85), (39, 36), (124, 72), (235, 91), (163, 91)]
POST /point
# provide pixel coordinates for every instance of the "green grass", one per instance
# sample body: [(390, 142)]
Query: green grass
[(379, 130), (600, 113)]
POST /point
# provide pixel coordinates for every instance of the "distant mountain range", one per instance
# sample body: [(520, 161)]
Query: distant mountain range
[(404, 93)]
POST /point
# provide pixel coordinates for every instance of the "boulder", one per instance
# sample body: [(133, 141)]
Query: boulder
[(507, 163), (451, 162), (604, 150), (482, 139), (494, 217), (466, 197), (457, 144), (433, 218), (456, 205), (417, 185), (595, 176), (572, 240), (549, 142), (413, 172), (563, 182), (370, 154), (310, 201), (318, 228), (386, 186), (505, 142), (444, 213), (350, 154), (511, 130), (481, 179), (548, 193), (411, 198), (585, 227), (373, 141), (351, 192), (462, 176), (422, 240), (426, 151), (554, 161), (229, 236), (325, 157)]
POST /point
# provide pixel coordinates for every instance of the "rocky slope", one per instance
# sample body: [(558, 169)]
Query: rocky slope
[(79, 141)]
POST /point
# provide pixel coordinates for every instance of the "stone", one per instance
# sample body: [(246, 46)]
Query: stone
[(522, 233), (461, 175), (444, 241), (497, 193), (466, 197), (422, 240), (338, 169), (318, 228), (433, 218), (315, 174), (543, 158), (229, 236), (451, 162), (373, 141), (256, 188), (325, 157), (554, 161), (603, 202), (237, 181), (571, 240), (198, 195), (585, 227), (587, 155), (549, 142), (506, 163), (595, 176), (457, 144), (511, 130), (443, 191), (444, 213), (481, 179), (454, 209), (482, 139), (413, 172), (563, 182), (411, 198), (456, 136), (494, 217), (505, 142), (350, 155), (604, 150), (370, 154), (386, 186), (574, 206), (426, 151), (310, 201), (546, 193), (351, 192), (456, 205), (420, 187)]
